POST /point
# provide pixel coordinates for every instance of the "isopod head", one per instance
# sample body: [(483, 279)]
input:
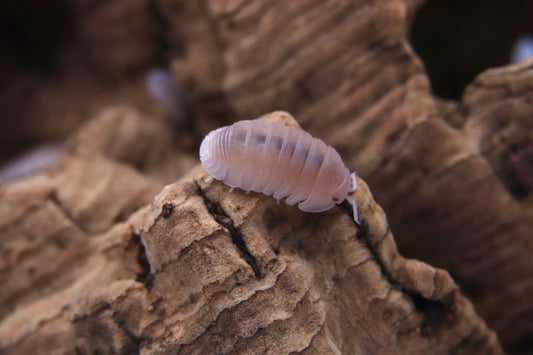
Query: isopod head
[(212, 154)]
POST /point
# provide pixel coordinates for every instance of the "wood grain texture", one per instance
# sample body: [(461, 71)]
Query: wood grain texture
[(347, 71), (203, 270), (454, 178)]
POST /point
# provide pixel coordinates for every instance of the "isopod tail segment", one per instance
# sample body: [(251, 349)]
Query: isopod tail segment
[(350, 199)]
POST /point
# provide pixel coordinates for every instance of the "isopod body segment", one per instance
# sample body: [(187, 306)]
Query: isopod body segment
[(279, 160)]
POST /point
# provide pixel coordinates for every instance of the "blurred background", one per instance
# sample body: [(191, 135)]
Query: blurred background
[(61, 61), (64, 61)]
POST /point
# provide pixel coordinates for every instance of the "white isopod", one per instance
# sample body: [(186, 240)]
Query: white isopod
[(279, 160)]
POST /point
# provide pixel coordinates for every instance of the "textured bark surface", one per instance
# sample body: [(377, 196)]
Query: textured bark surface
[(93, 262), (201, 269), (450, 200)]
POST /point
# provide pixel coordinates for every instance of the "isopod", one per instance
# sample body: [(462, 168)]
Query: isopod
[(279, 160)]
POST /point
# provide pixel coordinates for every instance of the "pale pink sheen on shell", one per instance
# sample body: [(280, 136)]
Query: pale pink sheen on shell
[(279, 160)]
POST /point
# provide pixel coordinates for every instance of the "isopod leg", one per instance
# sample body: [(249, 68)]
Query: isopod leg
[(353, 182), (209, 178), (351, 200)]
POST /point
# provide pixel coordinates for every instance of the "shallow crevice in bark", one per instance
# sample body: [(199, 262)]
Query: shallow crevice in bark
[(145, 276), (53, 196), (135, 341), (167, 210), (433, 310), (224, 220)]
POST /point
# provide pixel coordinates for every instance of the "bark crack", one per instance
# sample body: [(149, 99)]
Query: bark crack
[(135, 342), (145, 276), (222, 218), (54, 198), (433, 310)]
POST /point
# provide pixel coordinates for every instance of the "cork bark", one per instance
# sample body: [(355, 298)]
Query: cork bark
[(201, 270), (122, 247)]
